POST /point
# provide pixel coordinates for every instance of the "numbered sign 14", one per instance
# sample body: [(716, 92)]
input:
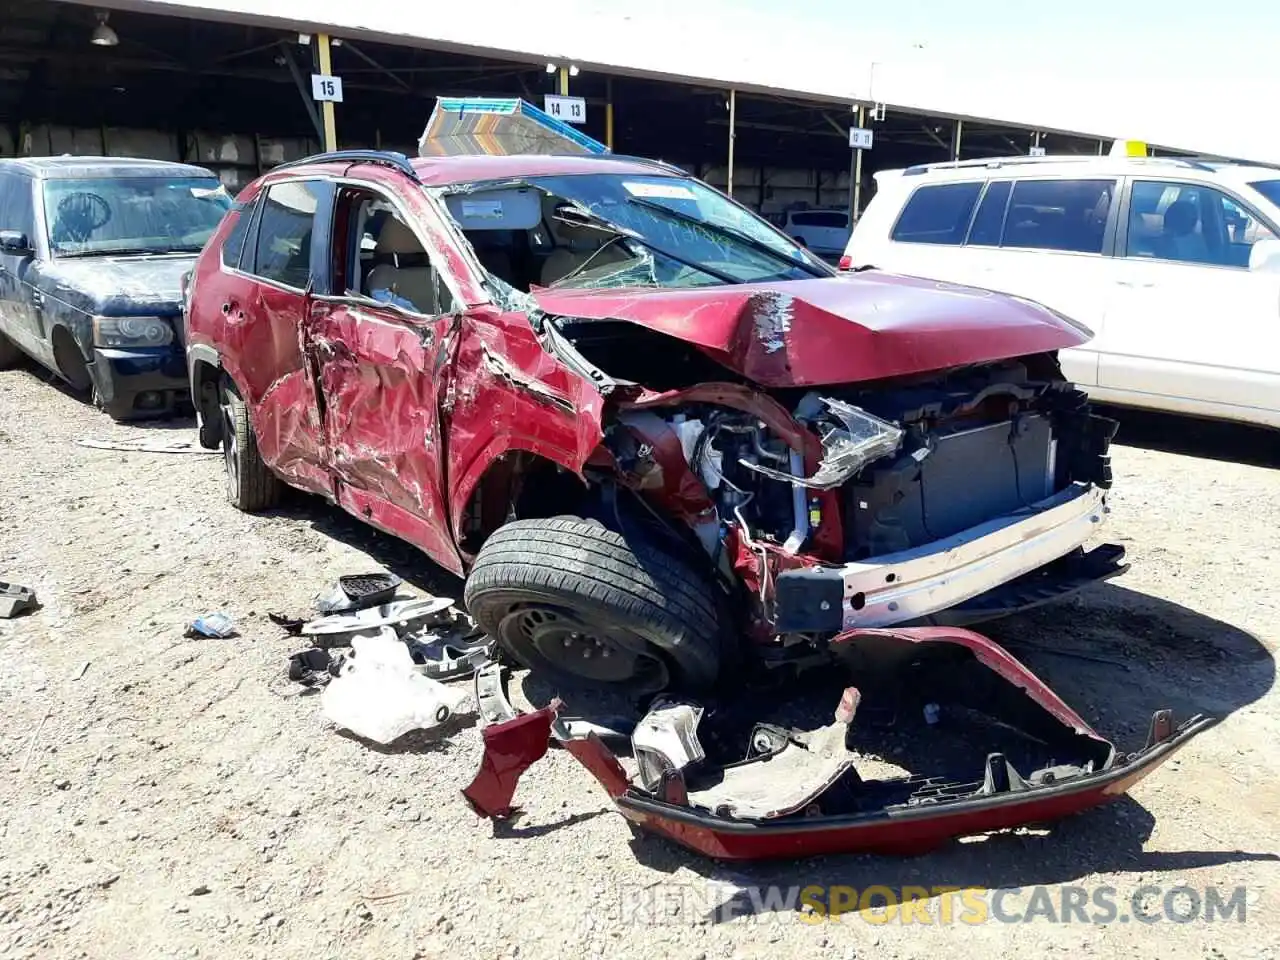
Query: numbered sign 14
[(568, 109)]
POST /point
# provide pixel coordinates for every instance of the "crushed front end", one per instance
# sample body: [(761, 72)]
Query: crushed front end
[(931, 499)]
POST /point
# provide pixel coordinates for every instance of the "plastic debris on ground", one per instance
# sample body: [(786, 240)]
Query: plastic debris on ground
[(148, 445), (358, 592), (16, 600), (380, 695), (215, 625)]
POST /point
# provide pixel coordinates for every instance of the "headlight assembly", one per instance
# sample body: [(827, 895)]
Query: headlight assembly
[(132, 332)]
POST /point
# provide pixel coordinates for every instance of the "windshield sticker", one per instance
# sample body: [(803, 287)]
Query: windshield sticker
[(659, 191), (482, 209)]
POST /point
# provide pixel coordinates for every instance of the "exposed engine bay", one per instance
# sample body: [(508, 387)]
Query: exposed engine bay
[(891, 466), (914, 464)]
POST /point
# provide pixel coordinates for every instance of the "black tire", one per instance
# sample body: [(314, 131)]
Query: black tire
[(581, 604), (10, 355), (251, 486), (70, 361)]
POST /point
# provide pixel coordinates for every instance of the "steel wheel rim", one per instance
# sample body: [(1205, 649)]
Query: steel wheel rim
[(573, 644)]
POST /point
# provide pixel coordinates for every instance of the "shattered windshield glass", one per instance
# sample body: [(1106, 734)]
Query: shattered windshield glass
[(610, 230), (132, 215)]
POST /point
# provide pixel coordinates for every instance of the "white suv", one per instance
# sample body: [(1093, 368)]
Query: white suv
[(822, 230), (1173, 264)]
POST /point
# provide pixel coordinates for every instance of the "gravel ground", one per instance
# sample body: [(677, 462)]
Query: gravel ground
[(180, 798)]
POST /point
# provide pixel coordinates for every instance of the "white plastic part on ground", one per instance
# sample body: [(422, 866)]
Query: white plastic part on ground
[(380, 696)]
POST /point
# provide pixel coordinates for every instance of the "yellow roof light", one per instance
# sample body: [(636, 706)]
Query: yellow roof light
[(1128, 148)]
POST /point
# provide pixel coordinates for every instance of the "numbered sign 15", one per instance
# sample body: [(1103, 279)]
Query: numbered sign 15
[(325, 88)]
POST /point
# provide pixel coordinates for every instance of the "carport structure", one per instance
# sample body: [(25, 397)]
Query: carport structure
[(232, 90)]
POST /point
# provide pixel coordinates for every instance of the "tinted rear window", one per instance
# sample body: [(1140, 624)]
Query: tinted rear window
[(938, 213), (234, 244), (989, 222), (820, 218), (1059, 215)]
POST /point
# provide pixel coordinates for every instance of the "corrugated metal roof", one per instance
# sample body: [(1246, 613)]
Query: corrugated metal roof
[(714, 43)]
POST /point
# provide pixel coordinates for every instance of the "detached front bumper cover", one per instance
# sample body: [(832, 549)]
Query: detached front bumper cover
[(800, 793)]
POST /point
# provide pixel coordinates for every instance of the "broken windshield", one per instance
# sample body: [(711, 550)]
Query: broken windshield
[(132, 215), (608, 230)]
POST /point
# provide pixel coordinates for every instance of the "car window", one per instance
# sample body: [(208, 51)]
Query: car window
[(1269, 189), (1190, 223), (17, 212), (233, 245), (820, 218), (988, 222), (377, 256), (283, 251), (1069, 215), (132, 215), (937, 213)]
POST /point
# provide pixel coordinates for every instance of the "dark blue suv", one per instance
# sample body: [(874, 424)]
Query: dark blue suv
[(92, 252)]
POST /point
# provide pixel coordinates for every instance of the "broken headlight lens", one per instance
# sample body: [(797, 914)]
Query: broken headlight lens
[(132, 332)]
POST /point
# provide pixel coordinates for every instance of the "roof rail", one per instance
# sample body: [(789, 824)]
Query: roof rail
[(997, 162), (386, 158), (649, 161), (1225, 162)]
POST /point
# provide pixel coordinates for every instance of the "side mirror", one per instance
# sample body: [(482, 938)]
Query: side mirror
[(1264, 257), (15, 243)]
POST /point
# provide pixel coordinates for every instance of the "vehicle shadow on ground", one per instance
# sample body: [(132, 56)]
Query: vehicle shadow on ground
[(1116, 655), (1109, 840), (1192, 437), (394, 555)]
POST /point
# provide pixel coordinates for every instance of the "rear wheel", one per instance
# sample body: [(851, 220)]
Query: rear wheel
[(251, 486), (583, 604)]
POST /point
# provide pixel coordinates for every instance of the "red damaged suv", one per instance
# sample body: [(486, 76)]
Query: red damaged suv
[(654, 433)]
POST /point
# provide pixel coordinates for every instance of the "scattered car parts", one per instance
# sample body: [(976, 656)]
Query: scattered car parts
[(16, 600), (1005, 751)]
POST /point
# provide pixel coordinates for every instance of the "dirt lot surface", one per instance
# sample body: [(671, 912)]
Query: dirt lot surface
[(180, 798)]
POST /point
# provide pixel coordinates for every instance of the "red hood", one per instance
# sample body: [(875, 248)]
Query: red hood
[(837, 330)]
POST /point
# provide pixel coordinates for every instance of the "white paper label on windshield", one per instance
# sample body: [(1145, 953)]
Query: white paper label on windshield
[(660, 191), (482, 209)]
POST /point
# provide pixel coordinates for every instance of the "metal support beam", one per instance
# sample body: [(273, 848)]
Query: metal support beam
[(955, 139), (608, 112), (935, 138), (733, 133), (330, 142), (564, 82), (301, 84), (377, 66)]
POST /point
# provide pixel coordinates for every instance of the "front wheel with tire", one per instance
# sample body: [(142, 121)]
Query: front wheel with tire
[(580, 603), (251, 486), (9, 353)]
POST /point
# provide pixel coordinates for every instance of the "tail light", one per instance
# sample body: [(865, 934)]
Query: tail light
[(846, 262)]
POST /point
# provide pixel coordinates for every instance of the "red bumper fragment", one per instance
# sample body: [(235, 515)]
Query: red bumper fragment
[(1047, 764)]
